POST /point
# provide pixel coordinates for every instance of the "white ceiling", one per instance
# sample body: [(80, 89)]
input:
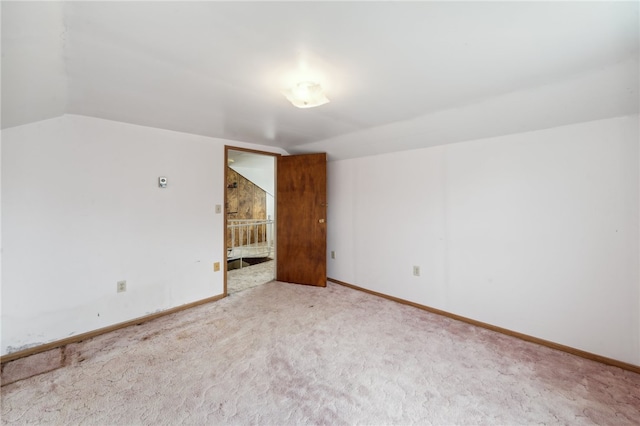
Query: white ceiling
[(259, 169), (399, 75)]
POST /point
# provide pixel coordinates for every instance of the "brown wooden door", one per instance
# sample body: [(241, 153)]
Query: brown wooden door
[(301, 205)]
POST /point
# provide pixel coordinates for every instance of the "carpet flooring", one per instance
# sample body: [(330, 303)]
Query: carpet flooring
[(283, 354), (250, 276)]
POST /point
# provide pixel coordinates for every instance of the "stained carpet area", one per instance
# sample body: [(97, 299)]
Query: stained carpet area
[(283, 354)]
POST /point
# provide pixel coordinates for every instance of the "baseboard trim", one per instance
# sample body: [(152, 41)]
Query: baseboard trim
[(547, 343), (88, 335)]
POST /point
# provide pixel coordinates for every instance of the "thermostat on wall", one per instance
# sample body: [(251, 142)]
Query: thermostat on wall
[(162, 182)]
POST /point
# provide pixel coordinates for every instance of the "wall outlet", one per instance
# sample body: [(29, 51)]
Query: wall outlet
[(416, 271), (218, 208), (121, 286), (333, 254), (216, 266)]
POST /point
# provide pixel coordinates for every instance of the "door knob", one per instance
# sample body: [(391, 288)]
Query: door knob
[(321, 221)]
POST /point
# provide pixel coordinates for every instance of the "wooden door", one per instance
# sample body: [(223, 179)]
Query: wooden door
[(301, 208)]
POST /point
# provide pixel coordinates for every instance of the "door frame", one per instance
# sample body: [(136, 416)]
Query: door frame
[(228, 148)]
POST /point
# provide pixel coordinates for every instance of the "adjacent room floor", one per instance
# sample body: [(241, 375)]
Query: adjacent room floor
[(249, 276)]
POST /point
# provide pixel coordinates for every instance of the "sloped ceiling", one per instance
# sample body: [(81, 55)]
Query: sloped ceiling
[(399, 75)]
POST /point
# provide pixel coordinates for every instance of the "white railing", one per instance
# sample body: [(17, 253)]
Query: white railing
[(249, 238)]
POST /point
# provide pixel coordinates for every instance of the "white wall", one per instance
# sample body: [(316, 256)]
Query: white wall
[(535, 232), (81, 210)]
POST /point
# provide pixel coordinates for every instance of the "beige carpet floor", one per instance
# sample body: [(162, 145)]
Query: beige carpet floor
[(250, 276), (283, 354)]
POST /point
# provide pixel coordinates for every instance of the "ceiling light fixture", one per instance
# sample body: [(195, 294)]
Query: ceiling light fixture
[(306, 94)]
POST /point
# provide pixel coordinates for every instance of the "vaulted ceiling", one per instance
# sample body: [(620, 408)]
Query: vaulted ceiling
[(399, 75)]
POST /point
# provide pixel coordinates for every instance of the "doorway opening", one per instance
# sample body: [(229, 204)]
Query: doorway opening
[(249, 218)]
